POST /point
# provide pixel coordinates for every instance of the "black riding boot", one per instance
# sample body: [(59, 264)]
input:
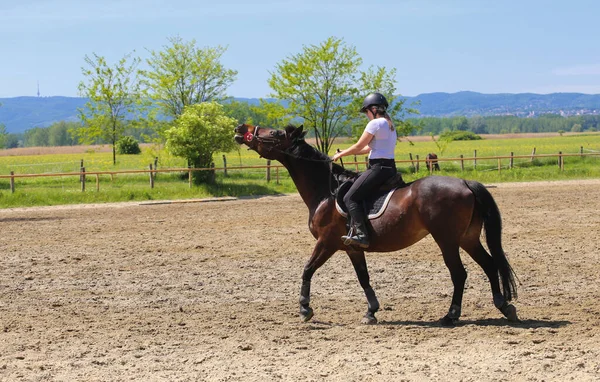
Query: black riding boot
[(358, 234)]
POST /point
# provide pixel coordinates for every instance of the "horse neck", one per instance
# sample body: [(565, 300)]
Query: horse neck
[(312, 179)]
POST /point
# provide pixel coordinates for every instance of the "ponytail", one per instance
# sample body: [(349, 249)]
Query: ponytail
[(383, 112)]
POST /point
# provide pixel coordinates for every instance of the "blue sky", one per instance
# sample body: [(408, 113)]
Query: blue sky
[(509, 46)]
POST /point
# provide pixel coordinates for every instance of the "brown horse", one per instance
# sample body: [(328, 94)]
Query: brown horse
[(431, 160), (452, 210)]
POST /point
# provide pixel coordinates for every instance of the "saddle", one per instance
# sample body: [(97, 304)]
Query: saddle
[(376, 203)]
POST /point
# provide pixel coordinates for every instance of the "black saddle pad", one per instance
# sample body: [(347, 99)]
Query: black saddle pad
[(374, 205)]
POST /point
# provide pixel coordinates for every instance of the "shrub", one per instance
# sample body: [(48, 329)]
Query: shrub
[(128, 145), (457, 135)]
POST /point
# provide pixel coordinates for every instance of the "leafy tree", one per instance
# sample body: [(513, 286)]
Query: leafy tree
[(59, 133), (183, 74), (114, 94), (36, 137), (324, 86), (198, 133), (264, 114), (12, 141), (3, 136), (460, 124), (319, 84), (383, 81)]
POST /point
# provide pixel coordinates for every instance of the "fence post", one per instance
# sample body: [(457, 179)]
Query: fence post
[(417, 163), (97, 182), (510, 166), (277, 174), (499, 165), (355, 163), (580, 151), (268, 170), (82, 175), (12, 182), (190, 175), (560, 160), (224, 165), (80, 167), (533, 154), (462, 163), (155, 166), (411, 160), (475, 159), (151, 177)]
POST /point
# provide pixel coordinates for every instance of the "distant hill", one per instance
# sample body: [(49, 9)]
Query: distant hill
[(521, 104), (21, 113)]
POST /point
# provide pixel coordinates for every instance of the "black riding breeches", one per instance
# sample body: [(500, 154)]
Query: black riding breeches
[(379, 172)]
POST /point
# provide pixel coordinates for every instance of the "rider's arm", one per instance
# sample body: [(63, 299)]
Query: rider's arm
[(359, 148)]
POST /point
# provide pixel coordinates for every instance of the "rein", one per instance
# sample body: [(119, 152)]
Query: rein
[(275, 147)]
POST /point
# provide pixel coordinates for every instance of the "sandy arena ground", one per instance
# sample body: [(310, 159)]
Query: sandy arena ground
[(209, 291)]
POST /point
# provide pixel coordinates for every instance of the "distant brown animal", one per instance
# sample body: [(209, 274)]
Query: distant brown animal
[(431, 162)]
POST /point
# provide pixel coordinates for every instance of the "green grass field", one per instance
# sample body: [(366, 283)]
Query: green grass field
[(53, 190)]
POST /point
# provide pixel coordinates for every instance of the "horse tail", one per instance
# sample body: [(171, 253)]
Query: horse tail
[(492, 222)]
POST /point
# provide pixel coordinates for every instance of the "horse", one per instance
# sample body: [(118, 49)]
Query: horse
[(432, 162), (453, 211)]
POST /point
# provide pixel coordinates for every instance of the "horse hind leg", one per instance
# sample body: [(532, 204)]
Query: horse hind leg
[(475, 249), (451, 255)]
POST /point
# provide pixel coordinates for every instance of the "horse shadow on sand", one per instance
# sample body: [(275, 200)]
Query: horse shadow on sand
[(499, 322)]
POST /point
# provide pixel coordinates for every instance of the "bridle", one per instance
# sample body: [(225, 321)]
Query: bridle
[(274, 144), (252, 137)]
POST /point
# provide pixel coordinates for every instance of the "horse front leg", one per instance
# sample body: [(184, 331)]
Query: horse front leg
[(360, 266), (321, 253)]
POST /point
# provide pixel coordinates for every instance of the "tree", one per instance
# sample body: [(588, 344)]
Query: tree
[(35, 137), (198, 133), (114, 94), (264, 114), (59, 133), (324, 86), (383, 81), (319, 84), (3, 136), (183, 75)]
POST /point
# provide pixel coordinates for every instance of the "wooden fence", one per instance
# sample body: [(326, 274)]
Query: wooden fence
[(357, 165)]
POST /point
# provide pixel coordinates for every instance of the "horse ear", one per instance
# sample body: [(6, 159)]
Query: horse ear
[(298, 132)]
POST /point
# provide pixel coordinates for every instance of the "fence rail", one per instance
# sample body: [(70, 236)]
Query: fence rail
[(268, 167)]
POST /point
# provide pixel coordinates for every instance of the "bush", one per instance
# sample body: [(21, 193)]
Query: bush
[(457, 135), (128, 145)]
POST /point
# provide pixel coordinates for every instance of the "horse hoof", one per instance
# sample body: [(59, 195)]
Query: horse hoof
[(306, 314), (510, 312), (369, 319), (448, 321)]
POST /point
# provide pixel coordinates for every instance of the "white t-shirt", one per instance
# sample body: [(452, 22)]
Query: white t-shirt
[(384, 140)]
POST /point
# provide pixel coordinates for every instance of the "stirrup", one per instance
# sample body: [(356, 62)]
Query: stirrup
[(357, 240)]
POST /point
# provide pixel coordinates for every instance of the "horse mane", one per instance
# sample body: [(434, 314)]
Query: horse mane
[(301, 149)]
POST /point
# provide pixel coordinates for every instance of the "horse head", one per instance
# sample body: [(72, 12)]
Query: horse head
[(268, 143)]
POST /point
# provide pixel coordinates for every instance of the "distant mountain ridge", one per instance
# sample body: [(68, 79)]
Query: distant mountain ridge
[(22, 113)]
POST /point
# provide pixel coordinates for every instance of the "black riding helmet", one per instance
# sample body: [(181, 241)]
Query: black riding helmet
[(374, 99)]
